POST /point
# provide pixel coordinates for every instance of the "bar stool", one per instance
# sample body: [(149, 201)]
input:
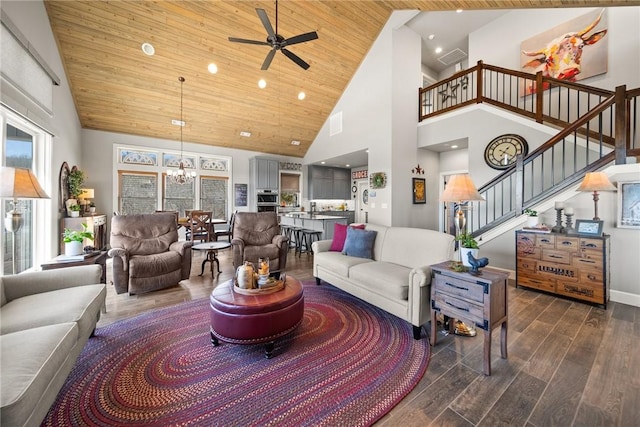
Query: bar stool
[(295, 237), (307, 239)]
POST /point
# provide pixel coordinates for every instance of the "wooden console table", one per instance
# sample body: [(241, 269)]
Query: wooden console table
[(481, 300), (100, 259)]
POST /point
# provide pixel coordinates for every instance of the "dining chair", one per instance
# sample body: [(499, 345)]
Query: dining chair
[(200, 227), (228, 233)]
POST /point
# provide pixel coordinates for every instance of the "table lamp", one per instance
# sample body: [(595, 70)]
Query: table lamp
[(87, 193), (460, 189), (18, 183), (596, 181)]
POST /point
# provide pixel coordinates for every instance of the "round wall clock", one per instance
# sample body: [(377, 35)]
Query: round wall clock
[(502, 151)]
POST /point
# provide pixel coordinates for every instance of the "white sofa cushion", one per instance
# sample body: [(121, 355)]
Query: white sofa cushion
[(338, 263), (414, 247), (79, 304), (385, 278), (30, 360)]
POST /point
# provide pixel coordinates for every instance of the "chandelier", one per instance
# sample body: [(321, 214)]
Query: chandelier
[(181, 176)]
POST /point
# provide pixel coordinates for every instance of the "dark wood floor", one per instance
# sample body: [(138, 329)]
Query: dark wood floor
[(569, 364)]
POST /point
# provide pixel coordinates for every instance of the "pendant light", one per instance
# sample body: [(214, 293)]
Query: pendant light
[(181, 176)]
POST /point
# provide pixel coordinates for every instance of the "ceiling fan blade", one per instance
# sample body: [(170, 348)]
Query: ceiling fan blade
[(237, 40), (268, 59), (302, 38), (265, 21), (295, 58)]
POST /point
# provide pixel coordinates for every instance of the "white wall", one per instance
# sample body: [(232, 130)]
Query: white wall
[(30, 17), (99, 161)]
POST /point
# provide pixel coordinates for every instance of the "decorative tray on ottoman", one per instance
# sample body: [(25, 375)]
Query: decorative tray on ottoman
[(273, 285)]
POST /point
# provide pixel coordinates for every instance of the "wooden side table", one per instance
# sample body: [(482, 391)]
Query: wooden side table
[(101, 259), (479, 299)]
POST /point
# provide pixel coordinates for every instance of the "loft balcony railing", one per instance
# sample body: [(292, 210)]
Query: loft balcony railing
[(596, 127)]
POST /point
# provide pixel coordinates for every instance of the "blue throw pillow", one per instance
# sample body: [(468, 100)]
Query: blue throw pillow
[(359, 243)]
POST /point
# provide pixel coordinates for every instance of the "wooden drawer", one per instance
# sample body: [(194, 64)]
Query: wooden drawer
[(526, 264), (589, 263), (556, 271), (591, 277), (462, 288), (592, 244), (526, 245), (546, 241), (584, 292), (458, 308), (571, 244), (559, 256), (533, 281)]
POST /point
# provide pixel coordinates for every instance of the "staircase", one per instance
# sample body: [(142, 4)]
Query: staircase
[(596, 127)]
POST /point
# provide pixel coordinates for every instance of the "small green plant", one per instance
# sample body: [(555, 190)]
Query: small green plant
[(467, 241), (77, 236), (530, 212), (75, 179), (92, 205), (75, 208)]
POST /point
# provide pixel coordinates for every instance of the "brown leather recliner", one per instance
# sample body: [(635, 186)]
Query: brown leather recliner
[(257, 235), (147, 254)]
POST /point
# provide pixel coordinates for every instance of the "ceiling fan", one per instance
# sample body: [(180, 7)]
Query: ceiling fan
[(277, 42)]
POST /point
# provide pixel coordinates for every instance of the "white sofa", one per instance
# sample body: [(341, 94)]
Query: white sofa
[(46, 319), (398, 279)]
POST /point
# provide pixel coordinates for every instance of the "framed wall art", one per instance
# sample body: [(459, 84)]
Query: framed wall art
[(419, 191), (629, 204)]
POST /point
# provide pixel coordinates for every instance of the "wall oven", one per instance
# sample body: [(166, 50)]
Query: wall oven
[(267, 201)]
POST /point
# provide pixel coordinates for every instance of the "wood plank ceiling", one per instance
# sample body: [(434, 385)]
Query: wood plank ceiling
[(117, 88)]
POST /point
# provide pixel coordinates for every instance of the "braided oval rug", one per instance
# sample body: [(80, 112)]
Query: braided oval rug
[(348, 363)]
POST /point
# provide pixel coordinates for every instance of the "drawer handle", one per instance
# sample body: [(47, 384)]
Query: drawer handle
[(545, 241), (457, 287), (456, 307), (591, 277), (590, 245), (556, 256), (587, 261), (565, 243)]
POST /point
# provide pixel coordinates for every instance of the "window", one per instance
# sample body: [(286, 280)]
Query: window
[(214, 195), (24, 145), (138, 193), (143, 185)]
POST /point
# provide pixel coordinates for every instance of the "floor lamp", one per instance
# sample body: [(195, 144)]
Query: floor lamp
[(18, 183), (596, 181), (460, 189)]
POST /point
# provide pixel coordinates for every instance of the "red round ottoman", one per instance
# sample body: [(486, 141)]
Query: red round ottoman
[(254, 319)]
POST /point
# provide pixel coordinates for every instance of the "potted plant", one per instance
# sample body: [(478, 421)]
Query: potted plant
[(74, 210), (467, 245), (75, 179), (532, 219), (92, 207), (73, 239)]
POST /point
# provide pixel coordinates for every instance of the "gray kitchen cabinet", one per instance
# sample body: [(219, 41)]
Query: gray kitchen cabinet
[(329, 183), (266, 173)]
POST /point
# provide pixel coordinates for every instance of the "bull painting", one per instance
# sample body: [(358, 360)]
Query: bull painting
[(571, 51)]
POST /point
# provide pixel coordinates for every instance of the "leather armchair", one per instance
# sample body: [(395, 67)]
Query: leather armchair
[(257, 235), (147, 254)]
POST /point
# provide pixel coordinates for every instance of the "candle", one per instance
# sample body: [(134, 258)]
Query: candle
[(568, 211), (559, 205)]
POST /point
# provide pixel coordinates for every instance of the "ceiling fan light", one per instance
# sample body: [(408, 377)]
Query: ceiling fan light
[(213, 68), (148, 49), (262, 83), (302, 95)]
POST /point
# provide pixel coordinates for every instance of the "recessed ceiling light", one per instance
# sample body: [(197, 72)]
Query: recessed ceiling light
[(177, 122), (454, 146), (366, 151), (322, 163), (347, 165), (458, 10), (302, 96), (262, 83), (213, 68), (245, 134), (148, 49), (438, 49), (431, 36), (294, 142)]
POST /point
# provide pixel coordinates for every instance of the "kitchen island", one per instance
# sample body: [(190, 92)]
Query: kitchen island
[(318, 222)]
